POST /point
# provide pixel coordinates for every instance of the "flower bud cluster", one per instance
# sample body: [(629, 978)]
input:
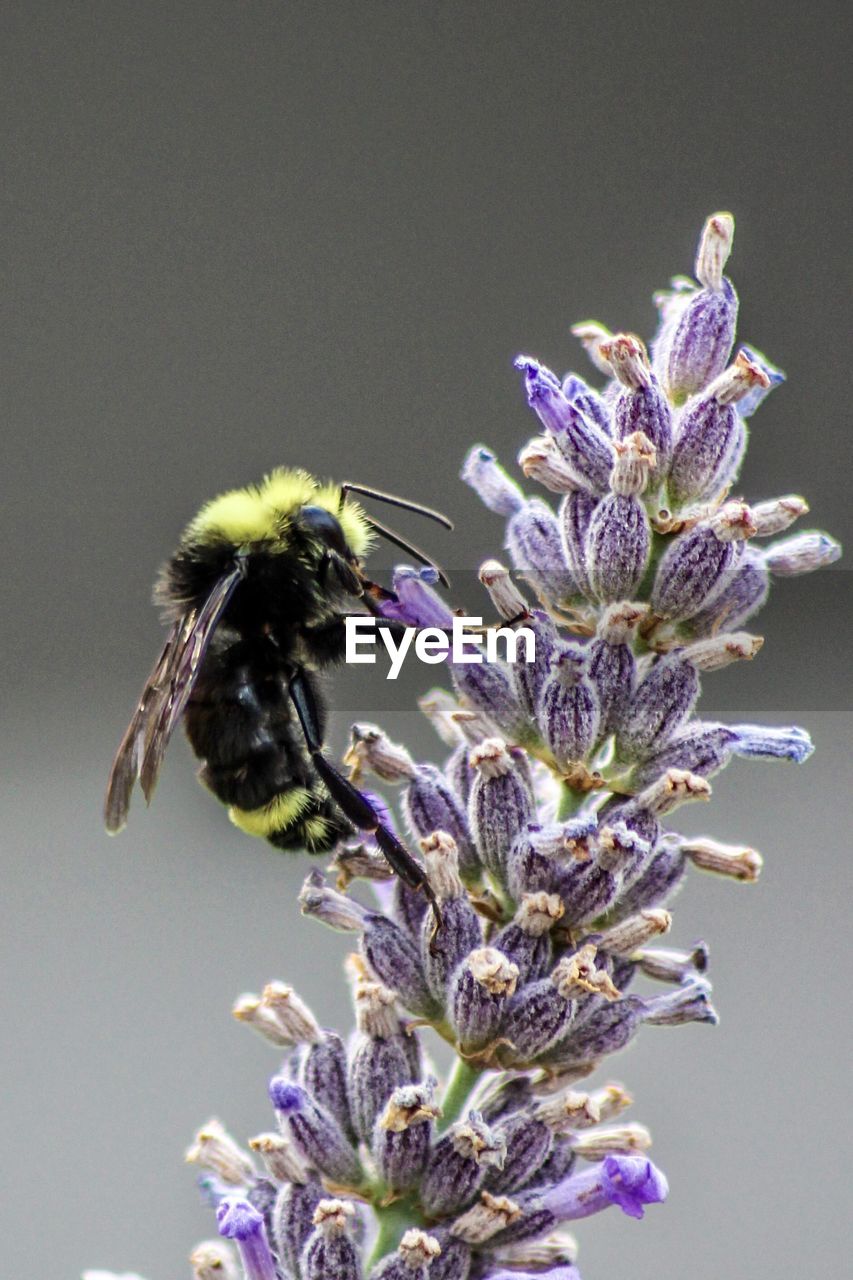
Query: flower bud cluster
[(545, 838)]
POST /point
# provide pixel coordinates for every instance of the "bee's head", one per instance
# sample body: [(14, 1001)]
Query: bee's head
[(323, 527), (321, 534)]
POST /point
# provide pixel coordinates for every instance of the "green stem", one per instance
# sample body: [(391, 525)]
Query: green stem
[(569, 802), (462, 1080), (394, 1220)]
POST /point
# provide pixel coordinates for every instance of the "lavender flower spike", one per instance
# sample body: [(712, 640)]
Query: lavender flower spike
[(546, 842)]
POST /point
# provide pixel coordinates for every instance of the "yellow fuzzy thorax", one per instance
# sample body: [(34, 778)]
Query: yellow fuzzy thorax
[(261, 512)]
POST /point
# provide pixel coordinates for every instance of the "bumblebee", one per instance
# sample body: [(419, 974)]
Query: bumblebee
[(256, 596)]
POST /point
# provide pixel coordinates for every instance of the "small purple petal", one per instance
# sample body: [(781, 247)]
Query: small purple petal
[(632, 1182)]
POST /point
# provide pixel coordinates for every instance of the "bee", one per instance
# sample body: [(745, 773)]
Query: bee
[(256, 597)]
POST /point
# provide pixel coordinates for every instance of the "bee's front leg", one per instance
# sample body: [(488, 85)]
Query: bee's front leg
[(354, 804)]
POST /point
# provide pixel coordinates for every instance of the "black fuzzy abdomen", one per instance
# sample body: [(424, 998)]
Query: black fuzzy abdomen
[(242, 726)]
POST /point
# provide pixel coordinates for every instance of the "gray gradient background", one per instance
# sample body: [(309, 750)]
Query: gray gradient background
[(242, 234)]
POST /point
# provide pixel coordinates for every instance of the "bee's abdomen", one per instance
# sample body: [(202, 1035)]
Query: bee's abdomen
[(241, 725)]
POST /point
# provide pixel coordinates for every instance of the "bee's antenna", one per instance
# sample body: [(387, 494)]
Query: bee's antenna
[(409, 547), (393, 501)]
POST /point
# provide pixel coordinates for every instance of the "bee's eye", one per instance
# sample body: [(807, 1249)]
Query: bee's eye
[(322, 524)]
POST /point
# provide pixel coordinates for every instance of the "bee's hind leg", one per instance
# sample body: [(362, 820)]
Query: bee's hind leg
[(353, 803)]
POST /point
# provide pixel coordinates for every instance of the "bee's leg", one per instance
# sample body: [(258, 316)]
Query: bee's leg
[(353, 803)]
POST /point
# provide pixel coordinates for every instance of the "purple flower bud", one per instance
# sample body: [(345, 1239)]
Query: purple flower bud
[(526, 940), (403, 1134), (696, 567), (528, 1145), (770, 743), (657, 880), (500, 805), (801, 553), (744, 592), (330, 1250), (458, 1164), (417, 604), (324, 1075), (604, 1031), (429, 805), (412, 1259), (700, 746), (587, 890), (461, 930), (641, 405), (490, 482), (588, 401), (618, 539), (759, 393), (316, 1133), (395, 959), (631, 1182), (584, 445), (489, 686), (659, 705), (238, 1220), (712, 436), (576, 512), (690, 1003), (537, 1016), (454, 1261), (529, 677), (478, 996), (698, 328), (378, 1061), (409, 907), (536, 550), (262, 1196), (531, 867), (637, 820), (293, 1220), (610, 664), (568, 713)]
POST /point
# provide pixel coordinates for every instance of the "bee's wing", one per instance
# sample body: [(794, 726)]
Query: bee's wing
[(128, 758), (163, 701)]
